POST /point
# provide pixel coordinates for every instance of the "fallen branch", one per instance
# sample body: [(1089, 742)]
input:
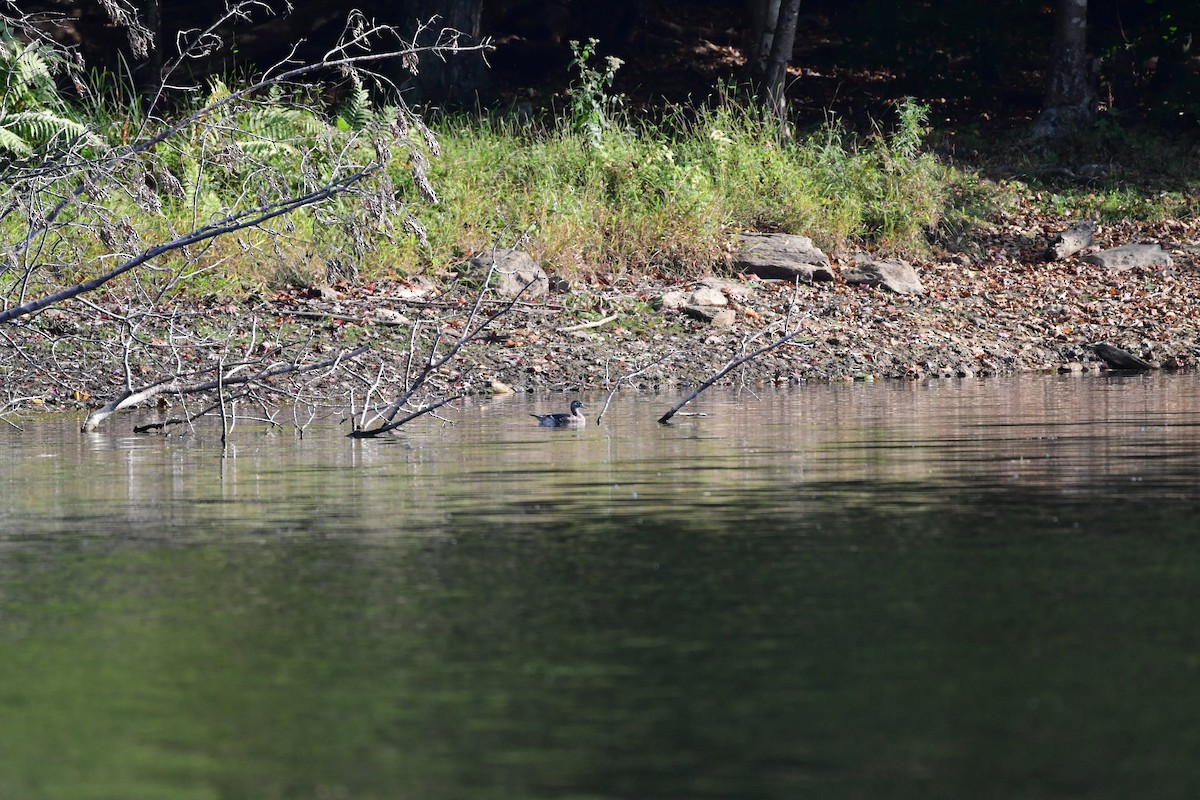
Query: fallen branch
[(174, 386), (391, 426), (234, 222), (729, 367), (433, 364), (585, 325), (625, 378)]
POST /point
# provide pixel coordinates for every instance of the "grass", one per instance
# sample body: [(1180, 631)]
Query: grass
[(668, 197), (1109, 172), (609, 192), (594, 193)]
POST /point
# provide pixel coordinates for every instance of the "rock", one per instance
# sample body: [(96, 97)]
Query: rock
[(1072, 240), (708, 296), (895, 276), (717, 317), (387, 316), (734, 290), (1116, 358), (514, 270), (414, 288), (782, 255), (1129, 256), (672, 301), (1071, 367)]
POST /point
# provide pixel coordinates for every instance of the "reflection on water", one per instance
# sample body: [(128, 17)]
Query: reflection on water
[(972, 589)]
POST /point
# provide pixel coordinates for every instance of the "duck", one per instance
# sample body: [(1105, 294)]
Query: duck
[(562, 420)]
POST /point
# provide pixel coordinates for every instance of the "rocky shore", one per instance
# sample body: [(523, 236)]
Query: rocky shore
[(1069, 300), (1016, 306)]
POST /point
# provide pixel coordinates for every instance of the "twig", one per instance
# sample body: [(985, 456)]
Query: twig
[(226, 424), (626, 377), (434, 363), (391, 426), (130, 398), (732, 365), (585, 325)]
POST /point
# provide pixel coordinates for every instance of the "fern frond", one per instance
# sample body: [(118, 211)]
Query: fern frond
[(268, 148), (11, 143), (355, 109), (278, 123), (43, 127), (217, 91)]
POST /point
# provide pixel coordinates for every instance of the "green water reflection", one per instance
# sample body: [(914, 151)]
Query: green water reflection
[(795, 633)]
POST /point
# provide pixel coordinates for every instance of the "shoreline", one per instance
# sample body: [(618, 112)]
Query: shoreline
[(1003, 318)]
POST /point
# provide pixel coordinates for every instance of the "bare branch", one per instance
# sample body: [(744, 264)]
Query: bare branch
[(391, 426), (729, 367), (174, 386), (231, 223)]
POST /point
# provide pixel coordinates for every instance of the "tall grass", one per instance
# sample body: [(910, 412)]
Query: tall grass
[(669, 196), (594, 190)]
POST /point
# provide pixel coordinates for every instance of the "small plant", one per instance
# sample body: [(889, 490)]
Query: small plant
[(913, 127), (593, 106), (32, 113)]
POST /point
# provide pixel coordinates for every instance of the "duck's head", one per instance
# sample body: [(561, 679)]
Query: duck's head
[(576, 405)]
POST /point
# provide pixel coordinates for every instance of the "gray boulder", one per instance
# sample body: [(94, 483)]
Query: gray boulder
[(708, 296), (1072, 240), (515, 270), (714, 315), (1130, 256), (782, 255), (674, 300), (734, 290), (895, 276)]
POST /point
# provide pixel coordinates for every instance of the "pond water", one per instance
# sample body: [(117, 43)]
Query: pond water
[(983, 589)]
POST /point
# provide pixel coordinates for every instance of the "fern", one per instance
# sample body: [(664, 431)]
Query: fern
[(13, 143), (354, 113), (25, 75), (279, 123), (32, 113)]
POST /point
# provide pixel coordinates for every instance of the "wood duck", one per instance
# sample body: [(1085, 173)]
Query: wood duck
[(562, 420)]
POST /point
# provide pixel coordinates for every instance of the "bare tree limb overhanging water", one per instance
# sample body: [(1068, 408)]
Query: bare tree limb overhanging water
[(231, 170)]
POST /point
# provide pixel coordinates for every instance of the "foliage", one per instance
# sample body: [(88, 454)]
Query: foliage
[(670, 196), (32, 113), (594, 109)]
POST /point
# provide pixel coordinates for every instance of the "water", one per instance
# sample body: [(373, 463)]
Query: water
[(972, 589)]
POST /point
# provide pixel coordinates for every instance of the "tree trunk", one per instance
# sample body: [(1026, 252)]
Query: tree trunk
[(448, 79), (762, 37), (151, 75), (775, 78), (1069, 100)]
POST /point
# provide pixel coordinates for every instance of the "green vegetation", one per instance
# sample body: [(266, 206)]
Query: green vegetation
[(32, 113), (598, 188), (669, 195)]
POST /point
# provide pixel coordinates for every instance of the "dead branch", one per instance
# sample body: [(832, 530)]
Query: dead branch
[(231, 223), (729, 367), (585, 325), (433, 362), (70, 192), (391, 426), (176, 386), (739, 360), (626, 378)]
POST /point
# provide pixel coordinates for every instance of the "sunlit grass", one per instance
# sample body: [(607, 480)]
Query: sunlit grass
[(634, 197)]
